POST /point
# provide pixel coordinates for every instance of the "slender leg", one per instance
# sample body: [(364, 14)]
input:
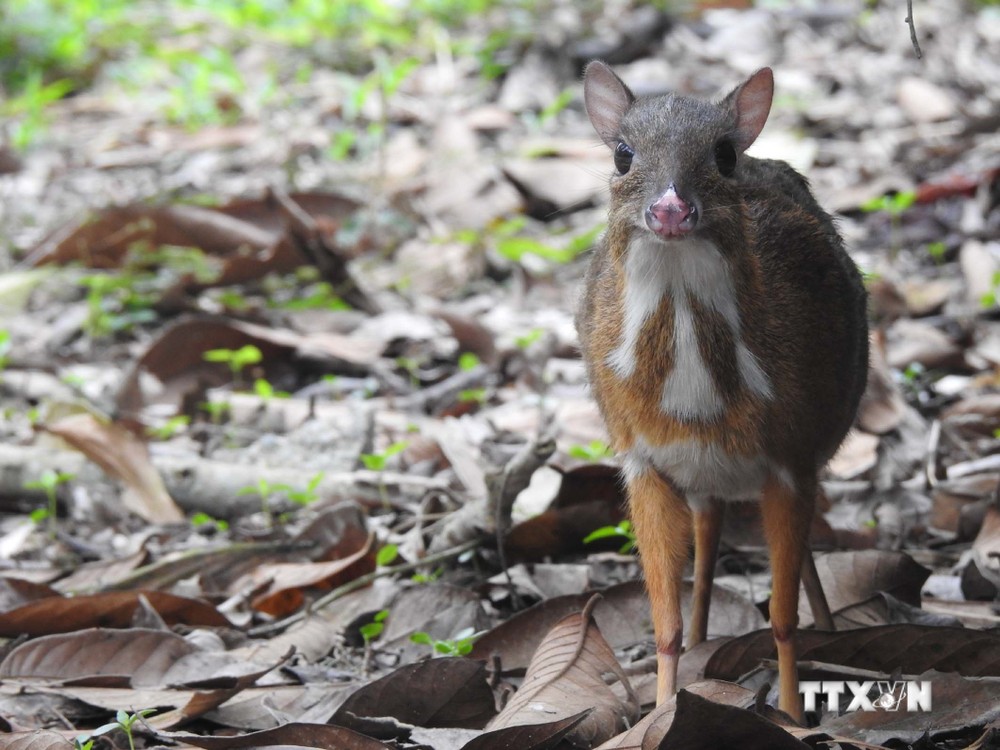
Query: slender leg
[(815, 595), (662, 522), (707, 531), (787, 516)]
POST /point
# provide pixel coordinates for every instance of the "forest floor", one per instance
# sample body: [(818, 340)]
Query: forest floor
[(297, 447)]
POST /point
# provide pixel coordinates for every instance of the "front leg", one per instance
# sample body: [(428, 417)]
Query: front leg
[(662, 522)]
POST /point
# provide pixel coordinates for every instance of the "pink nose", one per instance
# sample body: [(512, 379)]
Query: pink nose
[(671, 215)]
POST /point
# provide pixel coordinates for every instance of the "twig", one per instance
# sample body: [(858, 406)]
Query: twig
[(913, 29), (359, 583)]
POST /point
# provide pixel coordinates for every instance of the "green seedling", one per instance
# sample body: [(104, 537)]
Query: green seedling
[(989, 299), (472, 396), (237, 359), (595, 450), (624, 529), (216, 410), (5, 346), (372, 630), (49, 483), (467, 361), (118, 302), (169, 428), (305, 496), (319, 297), (265, 391), (386, 555), (460, 645), (204, 519), (526, 340), (515, 248), (27, 109), (556, 106), (377, 461), (428, 577), (895, 205), (937, 251), (124, 721)]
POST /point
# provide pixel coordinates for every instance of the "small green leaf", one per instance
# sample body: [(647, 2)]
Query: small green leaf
[(467, 361), (421, 637), (386, 555), (373, 461), (371, 631)]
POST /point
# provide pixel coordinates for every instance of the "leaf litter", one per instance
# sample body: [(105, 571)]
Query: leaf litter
[(218, 549)]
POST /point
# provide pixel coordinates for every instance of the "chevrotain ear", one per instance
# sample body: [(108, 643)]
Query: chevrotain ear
[(751, 103), (607, 99)]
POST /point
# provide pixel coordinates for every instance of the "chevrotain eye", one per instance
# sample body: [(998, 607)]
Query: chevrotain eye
[(623, 158), (725, 158)]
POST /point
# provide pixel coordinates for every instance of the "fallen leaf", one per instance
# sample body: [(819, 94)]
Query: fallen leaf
[(543, 736), (700, 724), (126, 458), (288, 735), (111, 609), (853, 576), (36, 739), (566, 676), (136, 656), (911, 649), (446, 692), (287, 581)]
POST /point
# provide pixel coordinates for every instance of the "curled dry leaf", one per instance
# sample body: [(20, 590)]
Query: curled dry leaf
[(285, 593), (433, 693), (113, 609), (126, 458), (910, 649), (566, 676)]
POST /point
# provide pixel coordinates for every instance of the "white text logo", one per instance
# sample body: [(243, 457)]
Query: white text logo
[(873, 695)]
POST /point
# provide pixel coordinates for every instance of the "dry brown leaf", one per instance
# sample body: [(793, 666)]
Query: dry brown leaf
[(38, 739), (175, 357), (882, 405), (566, 676), (288, 735), (16, 592), (986, 547), (700, 724), (851, 577), (911, 649), (544, 736), (103, 241), (135, 656), (285, 592), (648, 733), (622, 614), (126, 458), (433, 693), (111, 609), (957, 702)]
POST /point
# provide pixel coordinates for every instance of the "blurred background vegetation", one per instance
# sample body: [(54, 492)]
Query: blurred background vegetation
[(183, 56)]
